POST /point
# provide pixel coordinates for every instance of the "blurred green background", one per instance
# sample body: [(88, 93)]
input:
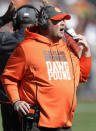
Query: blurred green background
[(84, 117)]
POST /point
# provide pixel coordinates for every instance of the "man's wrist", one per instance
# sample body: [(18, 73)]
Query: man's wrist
[(86, 53), (15, 102)]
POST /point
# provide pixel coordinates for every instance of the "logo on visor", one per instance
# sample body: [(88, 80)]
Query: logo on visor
[(57, 9)]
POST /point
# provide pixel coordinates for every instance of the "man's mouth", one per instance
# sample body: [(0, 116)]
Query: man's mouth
[(61, 29)]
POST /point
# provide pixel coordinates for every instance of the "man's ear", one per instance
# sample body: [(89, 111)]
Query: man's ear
[(65, 22)]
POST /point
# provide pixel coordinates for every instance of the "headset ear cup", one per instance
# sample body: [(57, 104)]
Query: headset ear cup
[(43, 19), (15, 21), (43, 23)]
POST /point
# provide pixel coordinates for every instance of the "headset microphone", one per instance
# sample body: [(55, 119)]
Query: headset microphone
[(70, 31), (72, 43)]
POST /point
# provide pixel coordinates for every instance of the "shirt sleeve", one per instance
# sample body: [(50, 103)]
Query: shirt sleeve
[(13, 73), (85, 68)]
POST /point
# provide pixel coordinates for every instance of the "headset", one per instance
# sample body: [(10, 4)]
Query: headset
[(43, 18), (16, 22)]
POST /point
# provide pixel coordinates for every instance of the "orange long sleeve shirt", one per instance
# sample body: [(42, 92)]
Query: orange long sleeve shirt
[(39, 61)]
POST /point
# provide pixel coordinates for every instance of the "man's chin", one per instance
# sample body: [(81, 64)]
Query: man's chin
[(61, 36)]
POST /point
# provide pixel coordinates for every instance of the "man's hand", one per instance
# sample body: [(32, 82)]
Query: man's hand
[(83, 42), (10, 12), (21, 107), (45, 3)]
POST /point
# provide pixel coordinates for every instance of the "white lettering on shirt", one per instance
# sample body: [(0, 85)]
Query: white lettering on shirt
[(58, 70)]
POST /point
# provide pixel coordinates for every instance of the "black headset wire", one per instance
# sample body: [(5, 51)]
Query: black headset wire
[(36, 94), (73, 78), (74, 86)]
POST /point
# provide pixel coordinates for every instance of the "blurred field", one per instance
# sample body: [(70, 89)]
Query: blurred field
[(84, 118)]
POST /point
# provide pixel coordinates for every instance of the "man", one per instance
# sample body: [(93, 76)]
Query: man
[(24, 16), (44, 71)]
